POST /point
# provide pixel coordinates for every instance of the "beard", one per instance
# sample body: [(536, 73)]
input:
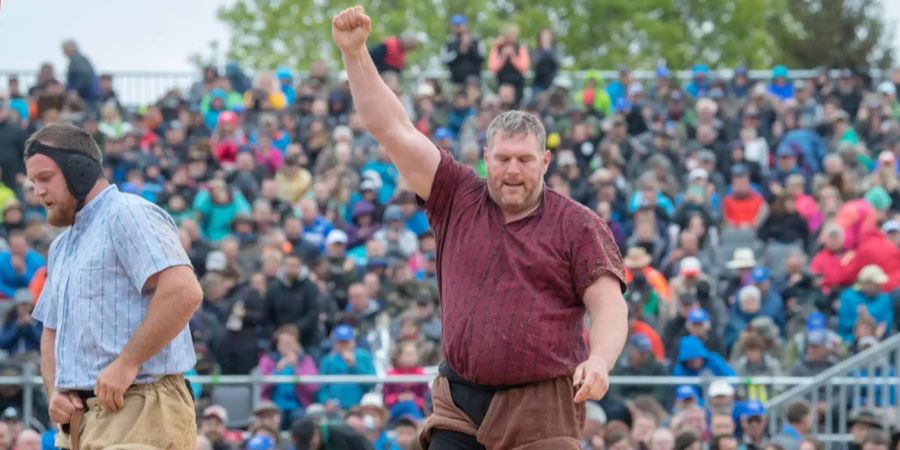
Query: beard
[(514, 197), (62, 213)]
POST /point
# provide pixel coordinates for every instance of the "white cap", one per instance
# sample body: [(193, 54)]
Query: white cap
[(336, 237), (372, 399), (721, 388), (698, 173), (216, 260), (689, 266), (890, 226), (886, 87)]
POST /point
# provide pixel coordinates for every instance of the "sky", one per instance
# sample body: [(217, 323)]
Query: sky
[(138, 35)]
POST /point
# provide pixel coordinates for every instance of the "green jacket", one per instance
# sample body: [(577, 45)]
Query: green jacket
[(602, 102)]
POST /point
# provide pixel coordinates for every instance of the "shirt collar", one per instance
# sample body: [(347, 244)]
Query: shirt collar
[(86, 215)]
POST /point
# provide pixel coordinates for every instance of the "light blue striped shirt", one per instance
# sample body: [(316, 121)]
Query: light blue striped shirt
[(93, 295)]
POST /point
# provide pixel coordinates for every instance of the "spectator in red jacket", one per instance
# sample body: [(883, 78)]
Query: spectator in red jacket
[(875, 248), (405, 395), (827, 262)]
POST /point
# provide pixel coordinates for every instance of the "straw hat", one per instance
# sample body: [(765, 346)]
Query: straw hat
[(872, 273), (636, 258), (743, 259)]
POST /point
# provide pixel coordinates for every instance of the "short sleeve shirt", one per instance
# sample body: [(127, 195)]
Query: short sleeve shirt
[(94, 294), (512, 294)]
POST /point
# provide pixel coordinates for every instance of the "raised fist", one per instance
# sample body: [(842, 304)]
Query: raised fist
[(350, 28)]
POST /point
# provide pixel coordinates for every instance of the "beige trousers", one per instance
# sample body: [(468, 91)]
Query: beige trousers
[(158, 415)]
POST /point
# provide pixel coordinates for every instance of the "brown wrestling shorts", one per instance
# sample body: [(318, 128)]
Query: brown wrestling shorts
[(158, 415), (536, 416)]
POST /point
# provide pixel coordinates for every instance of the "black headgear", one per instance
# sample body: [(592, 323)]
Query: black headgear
[(80, 171)]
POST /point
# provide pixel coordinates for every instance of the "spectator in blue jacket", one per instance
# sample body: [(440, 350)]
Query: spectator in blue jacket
[(345, 359), (868, 298), (18, 265), (21, 334), (771, 303), (694, 359)]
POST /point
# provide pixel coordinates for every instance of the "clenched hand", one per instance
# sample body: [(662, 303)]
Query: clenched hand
[(351, 28)]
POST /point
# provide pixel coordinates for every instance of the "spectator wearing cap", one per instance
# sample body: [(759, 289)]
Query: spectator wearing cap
[(395, 236), (267, 414), (463, 53), (771, 302), (345, 359), (866, 298), (639, 361), (18, 264), (639, 270), (686, 397), (691, 281), (695, 359), (796, 347), (698, 324), (214, 426), (288, 358), (818, 356), (753, 424), (21, 334), (721, 398), (743, 207), (860, 425), (891, 229)]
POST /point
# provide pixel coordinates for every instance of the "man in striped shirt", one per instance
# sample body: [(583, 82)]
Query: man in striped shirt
[(119, 293)]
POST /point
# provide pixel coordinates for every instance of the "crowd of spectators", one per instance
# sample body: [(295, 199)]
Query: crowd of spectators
[(757, 219)]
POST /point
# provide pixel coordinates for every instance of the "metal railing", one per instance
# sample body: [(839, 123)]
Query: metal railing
[(32, 384), (139, 88), (868, 380)]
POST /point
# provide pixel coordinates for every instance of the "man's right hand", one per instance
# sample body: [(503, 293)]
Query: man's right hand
[(63, 405), (351, 28)]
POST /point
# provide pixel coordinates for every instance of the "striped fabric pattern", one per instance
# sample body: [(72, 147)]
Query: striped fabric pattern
[(93, 297)]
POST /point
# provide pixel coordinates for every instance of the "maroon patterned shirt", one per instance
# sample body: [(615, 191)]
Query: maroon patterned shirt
[(511, 294)]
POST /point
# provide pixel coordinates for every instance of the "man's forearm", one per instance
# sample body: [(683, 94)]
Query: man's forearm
[(609, 330), (167, 314), (48, 360), (378, 107)]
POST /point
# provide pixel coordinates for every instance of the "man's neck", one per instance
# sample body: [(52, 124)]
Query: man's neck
[(99, 186)]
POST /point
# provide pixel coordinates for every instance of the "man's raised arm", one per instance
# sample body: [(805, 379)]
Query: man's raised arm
[(415, 156)]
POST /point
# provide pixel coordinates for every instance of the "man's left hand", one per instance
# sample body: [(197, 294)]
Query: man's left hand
[(591, 379), (113, 382)]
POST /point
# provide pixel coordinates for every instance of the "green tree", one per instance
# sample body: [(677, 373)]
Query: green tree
[(595, 33), (834, 33)]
